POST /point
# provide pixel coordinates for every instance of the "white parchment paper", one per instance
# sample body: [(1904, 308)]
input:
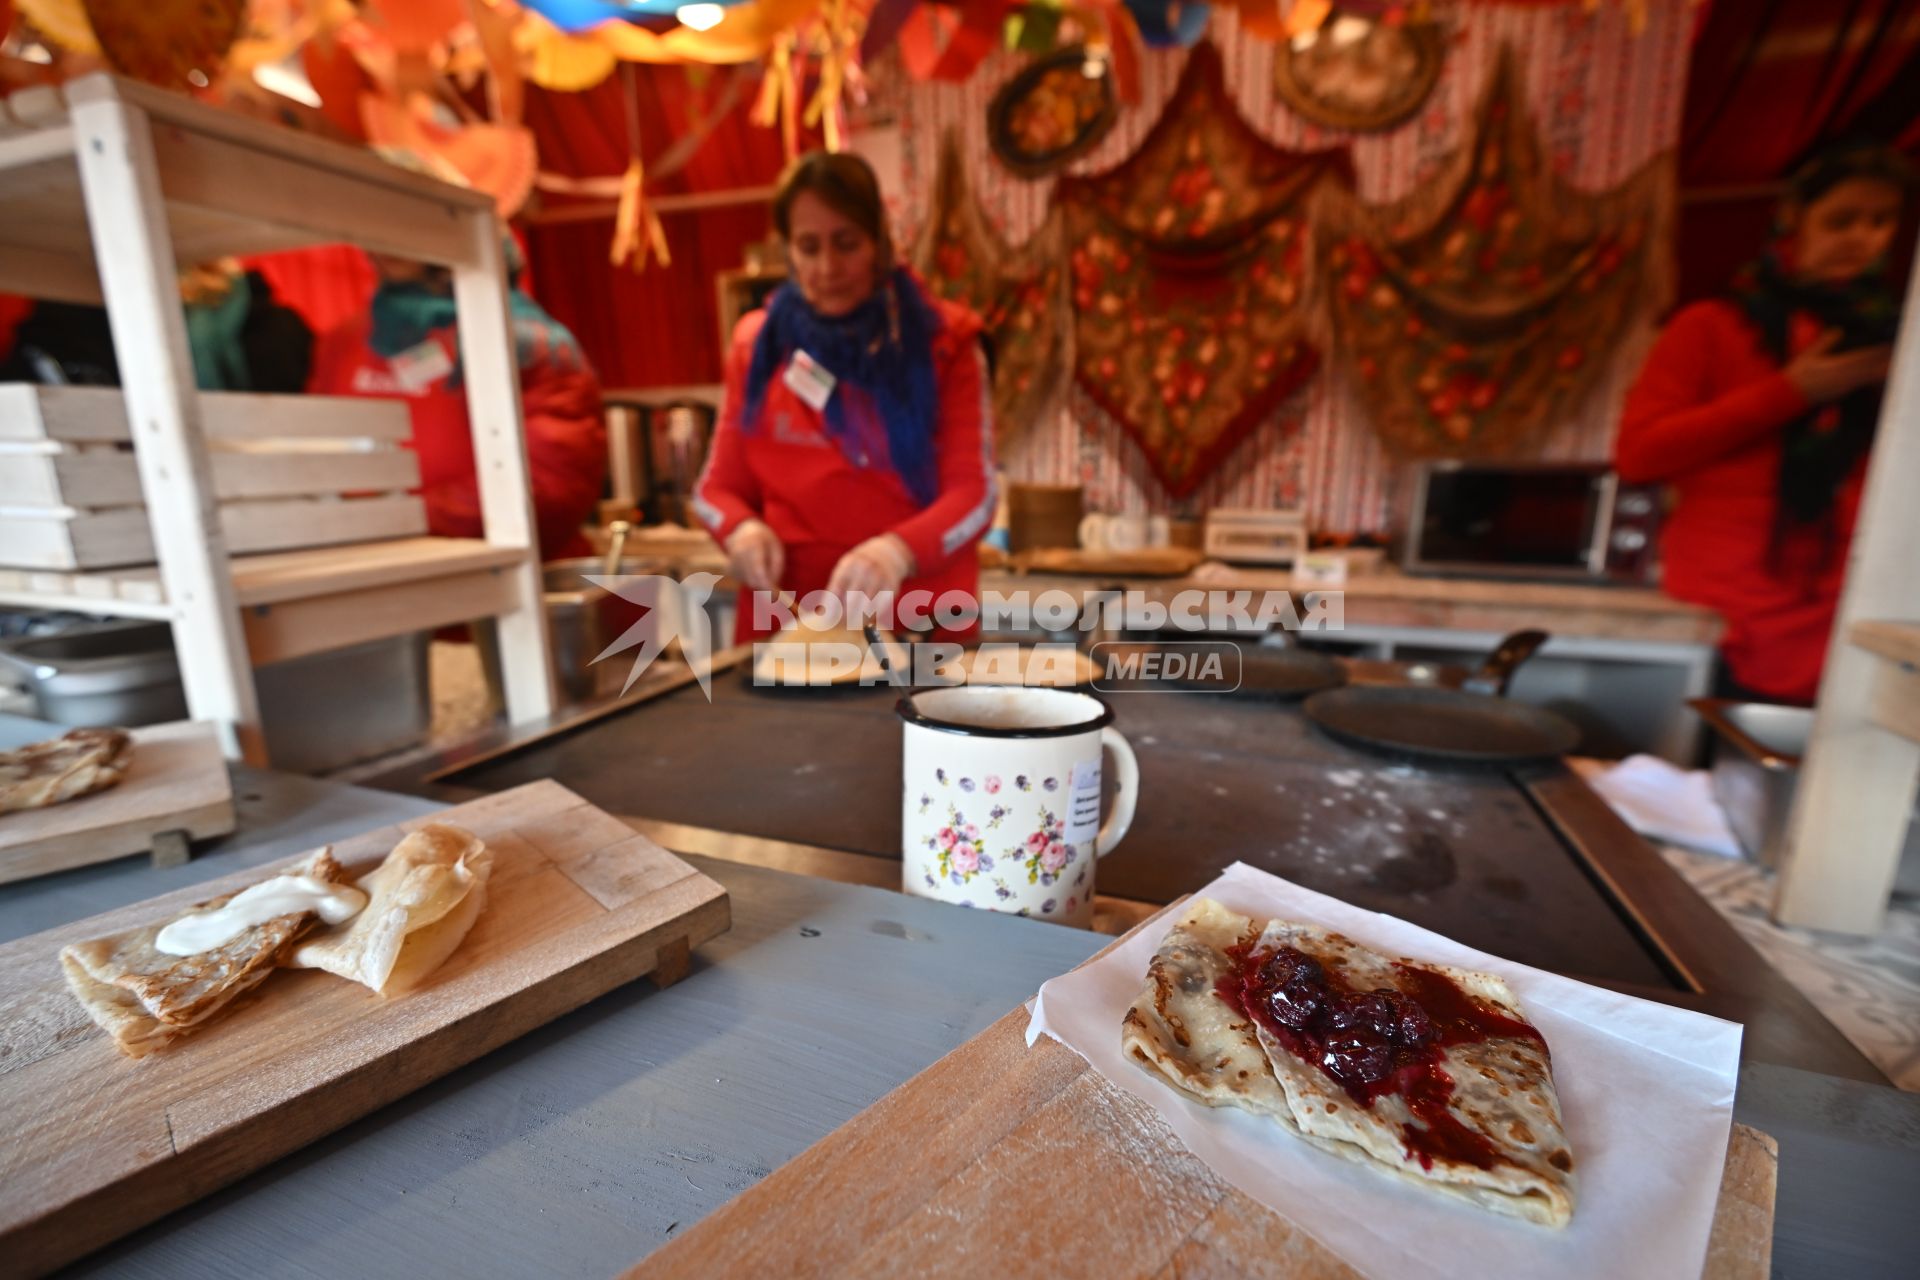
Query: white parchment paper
[(1646, 1092)]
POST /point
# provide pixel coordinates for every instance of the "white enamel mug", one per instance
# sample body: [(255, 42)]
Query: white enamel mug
[(1001, 798)]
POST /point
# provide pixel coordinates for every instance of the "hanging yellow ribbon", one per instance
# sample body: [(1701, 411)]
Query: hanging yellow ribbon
[(838, 41), (635, 214), (779, 98)]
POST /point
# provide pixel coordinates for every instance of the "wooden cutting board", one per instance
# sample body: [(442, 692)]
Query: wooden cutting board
[(906, 1186), (98, 1144), (177, 782)]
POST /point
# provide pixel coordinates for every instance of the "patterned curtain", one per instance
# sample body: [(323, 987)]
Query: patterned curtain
[(1018, 293), (1478, 310), (1189, 278)]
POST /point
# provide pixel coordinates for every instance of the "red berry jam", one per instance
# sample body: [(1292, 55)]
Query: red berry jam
[(1376, 1043)]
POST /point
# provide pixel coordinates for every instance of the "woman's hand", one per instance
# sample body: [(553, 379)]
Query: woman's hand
[(876, 567), (1822, 376), (755, 556)]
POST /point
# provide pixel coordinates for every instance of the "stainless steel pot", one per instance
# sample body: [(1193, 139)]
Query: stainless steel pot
[(319, 713), (102, 673)]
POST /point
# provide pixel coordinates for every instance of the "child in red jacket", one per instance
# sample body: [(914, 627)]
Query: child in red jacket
[(1759, 410), (853, 454), (405, 346)]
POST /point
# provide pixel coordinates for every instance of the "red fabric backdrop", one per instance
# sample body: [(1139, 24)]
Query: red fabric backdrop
[(659, 327)]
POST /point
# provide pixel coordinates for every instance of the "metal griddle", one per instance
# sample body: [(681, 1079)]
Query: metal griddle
[(1224, 778)]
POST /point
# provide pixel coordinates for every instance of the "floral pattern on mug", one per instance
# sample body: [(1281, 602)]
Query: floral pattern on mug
[(925, 800), (996, 816), (960, 849), (1045, 852), (992, 783)]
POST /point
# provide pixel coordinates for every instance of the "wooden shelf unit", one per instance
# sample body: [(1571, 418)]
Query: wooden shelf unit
[(106, 188), (1855, 796)]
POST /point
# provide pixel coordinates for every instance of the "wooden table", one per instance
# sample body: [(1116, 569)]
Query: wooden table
[(579, 1149)]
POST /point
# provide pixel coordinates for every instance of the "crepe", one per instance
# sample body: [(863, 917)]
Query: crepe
[(421, 901), (1489, 1130), (813, 652), (79, 763), (1056, 666), (145, 999)]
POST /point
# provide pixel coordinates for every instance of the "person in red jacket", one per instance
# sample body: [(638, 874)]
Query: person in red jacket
[(1759, 411), (405, 346), (853, 453)]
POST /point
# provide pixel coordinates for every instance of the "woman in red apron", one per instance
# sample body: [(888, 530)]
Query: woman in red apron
[(853, 454), (1759, 410)]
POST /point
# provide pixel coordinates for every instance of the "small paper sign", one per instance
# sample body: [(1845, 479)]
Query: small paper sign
[(418, 368), (1083, 803)]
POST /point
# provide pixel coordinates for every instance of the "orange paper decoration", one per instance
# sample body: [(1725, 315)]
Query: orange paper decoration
[(165, 41), (497, 159), (64, 22)]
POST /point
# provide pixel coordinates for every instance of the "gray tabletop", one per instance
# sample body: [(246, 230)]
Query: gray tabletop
[(582, 1146), (579, 1148)]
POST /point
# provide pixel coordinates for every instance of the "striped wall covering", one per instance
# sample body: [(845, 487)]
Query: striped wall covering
[(1604, 99)]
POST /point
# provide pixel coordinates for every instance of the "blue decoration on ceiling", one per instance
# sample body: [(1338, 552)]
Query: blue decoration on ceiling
[(578, 15), (1168, 24)]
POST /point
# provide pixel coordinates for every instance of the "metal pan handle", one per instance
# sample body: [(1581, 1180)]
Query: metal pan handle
[(1497, 671)]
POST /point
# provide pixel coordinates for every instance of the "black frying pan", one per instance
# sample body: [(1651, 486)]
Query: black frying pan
[(1471, 725)]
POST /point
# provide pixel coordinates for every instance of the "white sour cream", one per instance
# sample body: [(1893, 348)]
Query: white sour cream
[(257, 904)]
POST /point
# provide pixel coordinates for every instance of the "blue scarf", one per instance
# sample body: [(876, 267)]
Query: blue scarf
[(884, 346)]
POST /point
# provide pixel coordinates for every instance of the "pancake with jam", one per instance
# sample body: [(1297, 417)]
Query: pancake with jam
[(1425, 1072)]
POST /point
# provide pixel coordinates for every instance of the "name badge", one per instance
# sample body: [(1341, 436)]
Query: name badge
[(808, 380), (418, 368)]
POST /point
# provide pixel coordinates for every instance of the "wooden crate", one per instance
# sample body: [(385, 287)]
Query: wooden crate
[(99, 415), (283, 467)]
